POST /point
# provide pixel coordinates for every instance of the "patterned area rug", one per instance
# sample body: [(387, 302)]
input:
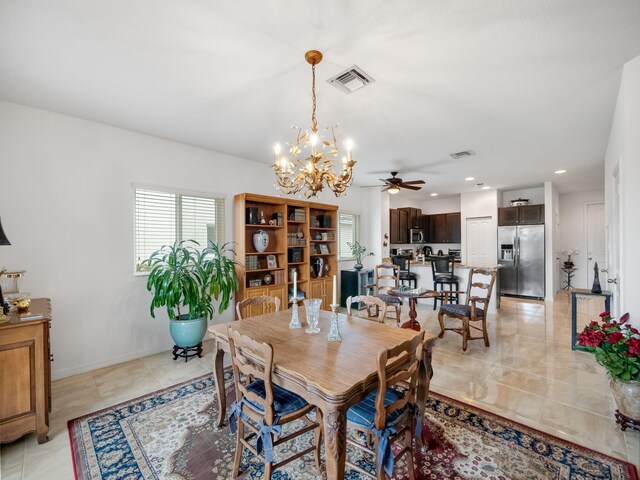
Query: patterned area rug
[(169, 434)]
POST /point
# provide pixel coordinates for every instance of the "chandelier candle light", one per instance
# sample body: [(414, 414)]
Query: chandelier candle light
[(311, 162)]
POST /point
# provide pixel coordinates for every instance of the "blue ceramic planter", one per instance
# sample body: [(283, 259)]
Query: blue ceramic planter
[(187, 332)]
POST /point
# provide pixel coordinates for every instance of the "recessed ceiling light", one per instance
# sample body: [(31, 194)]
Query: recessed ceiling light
[(434, 194), (486, 187), (468, 179), (560, 171)]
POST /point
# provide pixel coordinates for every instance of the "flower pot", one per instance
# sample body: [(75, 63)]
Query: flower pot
[(627, 397), (187, 332), (358, 266)]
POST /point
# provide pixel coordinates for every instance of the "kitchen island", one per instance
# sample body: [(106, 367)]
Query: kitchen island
[(461, 270)]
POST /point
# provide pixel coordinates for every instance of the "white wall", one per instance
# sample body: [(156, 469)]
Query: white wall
[(551, 227), (573, 230), (67, 208), (441, 205), (623, 154), (534, 194)]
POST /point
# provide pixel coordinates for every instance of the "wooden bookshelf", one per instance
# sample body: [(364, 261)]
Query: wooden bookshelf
[(316, 223)]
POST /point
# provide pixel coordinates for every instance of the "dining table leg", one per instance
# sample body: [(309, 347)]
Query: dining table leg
[(335, 442), (413, 314), (425, 372), (218, 373)]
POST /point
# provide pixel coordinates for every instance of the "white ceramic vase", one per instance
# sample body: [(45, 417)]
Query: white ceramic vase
[(260, 240), (627, 397)]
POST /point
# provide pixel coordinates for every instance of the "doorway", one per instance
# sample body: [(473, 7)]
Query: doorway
[(596, 243)]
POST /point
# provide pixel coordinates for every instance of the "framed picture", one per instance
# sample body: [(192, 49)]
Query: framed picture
[(271, 261), (324, 248)]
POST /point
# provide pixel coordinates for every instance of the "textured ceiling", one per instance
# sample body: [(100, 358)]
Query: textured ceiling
[(530, 86)]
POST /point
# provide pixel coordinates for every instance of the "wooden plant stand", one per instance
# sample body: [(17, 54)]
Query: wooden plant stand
[(187, 352), (627, 422)]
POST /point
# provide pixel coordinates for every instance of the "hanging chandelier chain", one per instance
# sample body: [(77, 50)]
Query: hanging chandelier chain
[(314, 123)]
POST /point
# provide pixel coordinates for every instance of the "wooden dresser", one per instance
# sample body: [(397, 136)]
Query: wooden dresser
[(25, 373)]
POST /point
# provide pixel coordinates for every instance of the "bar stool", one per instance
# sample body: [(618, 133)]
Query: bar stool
[(406, 275), (442, 268)]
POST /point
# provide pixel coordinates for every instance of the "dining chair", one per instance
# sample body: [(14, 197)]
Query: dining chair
[(370, 302), (263, 407), (406, 275), (478, 292), (387, 277), (442, 269), (263, 300), (388, 413)]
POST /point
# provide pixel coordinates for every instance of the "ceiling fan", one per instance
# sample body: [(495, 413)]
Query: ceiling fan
[(394, 184)]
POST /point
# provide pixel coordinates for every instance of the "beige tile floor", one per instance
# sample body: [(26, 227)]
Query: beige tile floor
[(529, 374)]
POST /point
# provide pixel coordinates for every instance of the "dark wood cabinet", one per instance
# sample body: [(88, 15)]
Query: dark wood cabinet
[(424, 226), (403, 226), (524, 215), (454, 230), (445, 228), (413, 216)]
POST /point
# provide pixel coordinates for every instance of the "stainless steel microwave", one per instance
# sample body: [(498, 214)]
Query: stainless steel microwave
[(416, 235)]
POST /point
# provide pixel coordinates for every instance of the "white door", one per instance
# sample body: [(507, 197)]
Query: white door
[(480, 245), (596, 243)]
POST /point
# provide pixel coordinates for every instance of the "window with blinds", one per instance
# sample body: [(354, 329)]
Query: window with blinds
[(348, 231), (162, 218)]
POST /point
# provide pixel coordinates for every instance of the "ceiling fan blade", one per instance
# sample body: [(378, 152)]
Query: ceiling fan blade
[(384, 180), (415, 182), (409, 187), (371, 186)]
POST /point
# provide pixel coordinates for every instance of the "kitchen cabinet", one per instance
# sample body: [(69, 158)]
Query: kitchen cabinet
[(403, 226), (413, 216), (424, 226), (445, 228), (523, 215)]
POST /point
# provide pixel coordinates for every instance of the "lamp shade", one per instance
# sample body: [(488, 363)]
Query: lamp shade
[(3, 237)]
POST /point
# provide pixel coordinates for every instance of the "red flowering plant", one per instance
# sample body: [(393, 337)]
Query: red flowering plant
[(615, 344)]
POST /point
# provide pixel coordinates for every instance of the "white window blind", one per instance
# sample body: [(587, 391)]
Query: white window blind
[(348, 231), (162, 218)]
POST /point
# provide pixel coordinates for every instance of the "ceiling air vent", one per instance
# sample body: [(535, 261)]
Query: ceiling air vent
[(351, 80), (466, 153)]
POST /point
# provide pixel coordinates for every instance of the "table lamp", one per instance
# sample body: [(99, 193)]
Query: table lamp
[(3, 241)]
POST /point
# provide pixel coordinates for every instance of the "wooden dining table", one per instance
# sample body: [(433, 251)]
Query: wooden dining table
[(331, 375)]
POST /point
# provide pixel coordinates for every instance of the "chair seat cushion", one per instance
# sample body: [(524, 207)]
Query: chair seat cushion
[(407, 275), (284, 401), (463, 310), (363, 413), (387, 298), (447, 278)]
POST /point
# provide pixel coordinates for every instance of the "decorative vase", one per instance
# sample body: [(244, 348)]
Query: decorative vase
[(358, 266), (187, 332), (260, 240), (568, 265), (627, 397)]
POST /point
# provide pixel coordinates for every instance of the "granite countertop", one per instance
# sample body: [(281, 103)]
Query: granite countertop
[(415, 263)]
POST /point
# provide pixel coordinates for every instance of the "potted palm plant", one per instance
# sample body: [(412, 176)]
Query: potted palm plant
[(184, 279), (616, 346)]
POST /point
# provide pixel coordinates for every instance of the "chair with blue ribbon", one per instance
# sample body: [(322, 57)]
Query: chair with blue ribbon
[(479, 290), (388, 413), (263, 408)]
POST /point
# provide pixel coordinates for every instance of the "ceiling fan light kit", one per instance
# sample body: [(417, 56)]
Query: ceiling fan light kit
[(310, 163)]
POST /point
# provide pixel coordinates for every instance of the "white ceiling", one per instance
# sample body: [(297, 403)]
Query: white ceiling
[(529, 85)]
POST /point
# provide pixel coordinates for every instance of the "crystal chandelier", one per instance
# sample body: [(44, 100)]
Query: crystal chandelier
[(310, 164)]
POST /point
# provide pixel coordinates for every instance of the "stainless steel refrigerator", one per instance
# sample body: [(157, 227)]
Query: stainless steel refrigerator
[(521, 257)]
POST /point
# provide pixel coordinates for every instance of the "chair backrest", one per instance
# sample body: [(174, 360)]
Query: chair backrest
[(252, 360), (441, 266), (387, 277), (403, 262), (390, 375), (264, 300), (370, 302), (478, 289)]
